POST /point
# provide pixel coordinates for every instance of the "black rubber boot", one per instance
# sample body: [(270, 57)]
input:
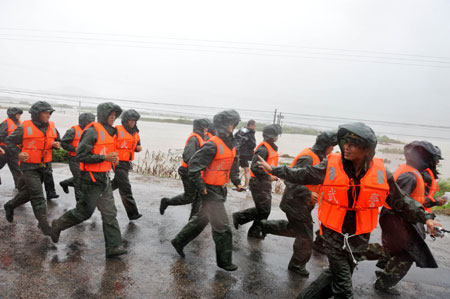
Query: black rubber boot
[(163, 205)]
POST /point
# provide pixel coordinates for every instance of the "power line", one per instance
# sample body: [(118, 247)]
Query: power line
[(225, 41), (216, 46), (227, 52)]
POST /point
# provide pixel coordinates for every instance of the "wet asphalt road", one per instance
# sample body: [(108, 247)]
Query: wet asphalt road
[(31, 266)]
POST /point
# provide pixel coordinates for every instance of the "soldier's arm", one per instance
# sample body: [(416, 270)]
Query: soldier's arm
[(3, 131), (258, 171), (191, 147), (234, 173), (309, 175), (400, 201), (300, 189), (199, 161), (14, 139), (67, 140), (87, 141)]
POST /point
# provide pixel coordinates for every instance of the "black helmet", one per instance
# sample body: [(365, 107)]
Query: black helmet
[(39, 107), (105, 109), (438, 154), (211, 128), (85, 118), (225, 118), (130, 114), (326, 139), (358, 133), (420, 154), (12, 111), (272, 131), (201, 124)]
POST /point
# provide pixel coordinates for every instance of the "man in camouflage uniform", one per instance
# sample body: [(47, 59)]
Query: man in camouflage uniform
[(402, 239), (121, 179), (14, 114), (297, 202), (30, 184), (260, 185), (95, 187), (213, 197), (190, 195), (357, 142), (83, 120)]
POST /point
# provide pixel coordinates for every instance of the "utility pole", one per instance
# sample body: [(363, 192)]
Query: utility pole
[(275, 116), (79, 107)]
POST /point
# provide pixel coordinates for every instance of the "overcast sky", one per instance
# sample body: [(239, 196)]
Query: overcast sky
[(272, 54)]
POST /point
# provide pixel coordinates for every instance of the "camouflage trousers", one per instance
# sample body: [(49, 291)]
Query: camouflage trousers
[(336, 280), (190, 196), (261, 190)]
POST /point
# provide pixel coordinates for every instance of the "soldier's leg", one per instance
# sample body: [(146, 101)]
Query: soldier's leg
[(188, 197), (250, 214), (192, 229), (302, 246), (34, 179), (221, 231), (262, 196), (278, 227), (85, 207), (126, 193), (19, 199), (341, 266), (49, 183), (394, 270), (195, 207), (319, 288), (107, 208), (13, 164)]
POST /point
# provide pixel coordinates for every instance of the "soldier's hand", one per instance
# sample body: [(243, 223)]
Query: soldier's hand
[(23, 156), (273, 178), (441, 201), (204, 192), (431, 224), (2, 151), (263, 164), (112, 157), (314, 198), (56, 144), (138, 148)]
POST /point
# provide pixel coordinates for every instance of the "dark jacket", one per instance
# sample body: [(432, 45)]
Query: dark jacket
[(413, 234), (83, 120), (245, 142), (201, 159), (89, 138), (296, 198), (264, 153)]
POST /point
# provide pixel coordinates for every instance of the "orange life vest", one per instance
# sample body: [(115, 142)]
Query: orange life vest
[(272, 159), (126, 143), (105, 144), (76, 139), (208, 136), (11, 127), (316, 160), (419, 192), (200, 142), (37, 145), (433, 187), (374, 190), (217, 173)]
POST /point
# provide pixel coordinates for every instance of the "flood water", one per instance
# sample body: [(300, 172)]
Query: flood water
[(158, 136)]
